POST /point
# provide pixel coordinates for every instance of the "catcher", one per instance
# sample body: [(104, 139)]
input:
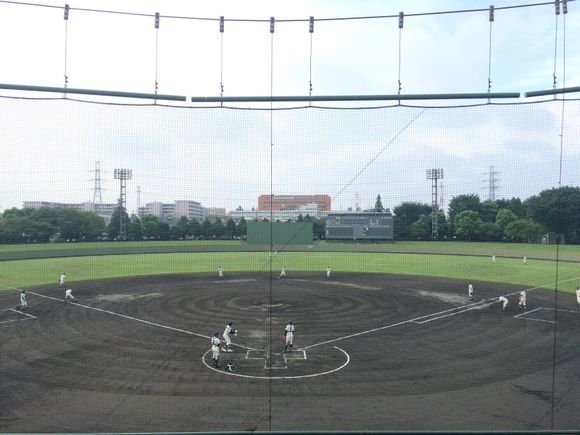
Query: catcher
[(227, 331)]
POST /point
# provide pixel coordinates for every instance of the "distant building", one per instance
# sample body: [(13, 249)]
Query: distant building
[(103, 210), (359, 226), (293, 202), (171, 213), (281, 215), (214, 213)]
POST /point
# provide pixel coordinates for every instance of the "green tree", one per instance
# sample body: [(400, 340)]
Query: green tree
[(153, 228), (231, 228), (134, 230), (195, 229), (379, 205), (206, 228), (318, 227), (505, 217), (218, 229), (490, 232), (515, 205), (114, 227), (242, 227), (558, 210), (462, 203), (406, 214), (421, 228), (524, 230), (181, 229), (468, 225), (489, 210)]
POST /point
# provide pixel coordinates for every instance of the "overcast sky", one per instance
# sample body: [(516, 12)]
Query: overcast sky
[(223, 157)]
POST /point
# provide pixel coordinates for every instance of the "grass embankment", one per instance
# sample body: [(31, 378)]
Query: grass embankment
[(510, 270)]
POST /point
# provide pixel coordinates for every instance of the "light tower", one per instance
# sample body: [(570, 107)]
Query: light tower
[(434, 175), (492, 183), (123, 175)]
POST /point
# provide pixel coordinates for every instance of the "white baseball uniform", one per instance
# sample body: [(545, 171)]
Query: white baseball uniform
[(328, 273), (215, 348), (68, 295), (23, 301), (220, 272), (61, 280), (289, 332), (522, 301), (283, 273), (578, 295), (504, 300), (470, 291), (227, 332)]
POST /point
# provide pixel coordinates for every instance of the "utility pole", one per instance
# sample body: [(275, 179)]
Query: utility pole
[(97, 197), (434, 175), (123, 175), (492, 183)]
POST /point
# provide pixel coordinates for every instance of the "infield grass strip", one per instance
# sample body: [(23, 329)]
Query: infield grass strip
[(45, 271)]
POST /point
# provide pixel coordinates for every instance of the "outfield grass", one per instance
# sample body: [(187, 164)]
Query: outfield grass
[(535, 273)]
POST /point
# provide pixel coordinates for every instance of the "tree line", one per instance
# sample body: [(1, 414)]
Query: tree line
[(555, 211)]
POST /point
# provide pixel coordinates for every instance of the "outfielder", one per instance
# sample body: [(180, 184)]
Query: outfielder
[(61, 280), (23, 300), (522, 300), (470, 291), (68, 296), (227, 331), (289, 335), (493, 258), (525, 260), (327, 272), (505, 302), (215, 350), (221, 272)]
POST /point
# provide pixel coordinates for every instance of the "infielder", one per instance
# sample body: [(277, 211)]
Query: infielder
[(23, 301), (283, 273), (221, 272), (578, 295), (522, 300), (68, 296), (215, 350), (61, 280), (327, 272), (289, 336), (470, 291), (227, 331), (505, 302)]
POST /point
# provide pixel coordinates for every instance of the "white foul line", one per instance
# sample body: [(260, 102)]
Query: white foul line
[(147, 322), (414, 320)]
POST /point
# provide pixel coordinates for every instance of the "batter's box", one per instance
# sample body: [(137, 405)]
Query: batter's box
[(551, 315), (275, 360), (10, 315)]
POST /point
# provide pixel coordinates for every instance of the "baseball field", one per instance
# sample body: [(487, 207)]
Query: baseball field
[(389, 342)]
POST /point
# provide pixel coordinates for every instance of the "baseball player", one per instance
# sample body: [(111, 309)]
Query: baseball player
[(23, 300), (470, 291), (61, 280), (525, 260), (493, 258), (215, 350), (283, 273), (289, 335), (522, 300), (578, 295), (221, 272), (68, 296), (227, 331), (504, 301), (327, 272)]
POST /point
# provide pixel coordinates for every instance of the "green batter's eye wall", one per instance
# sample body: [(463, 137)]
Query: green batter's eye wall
[(279, 233)]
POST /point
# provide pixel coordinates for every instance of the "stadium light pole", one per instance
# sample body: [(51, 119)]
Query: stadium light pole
[(123, 175), (434, 175)]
